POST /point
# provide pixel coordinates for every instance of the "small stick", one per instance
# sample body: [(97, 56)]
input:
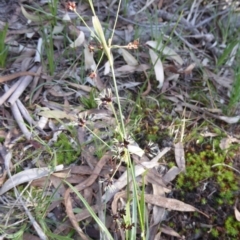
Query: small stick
[(16, 75)]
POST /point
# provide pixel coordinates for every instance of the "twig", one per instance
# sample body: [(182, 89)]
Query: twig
[(16, 75), (25, 113), (25, 81), (8, 92), (18, 117)]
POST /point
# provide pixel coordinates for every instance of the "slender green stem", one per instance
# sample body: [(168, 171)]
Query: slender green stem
[(94, 134), (90, 30), (115, 22), (118, 102), (132, 169)]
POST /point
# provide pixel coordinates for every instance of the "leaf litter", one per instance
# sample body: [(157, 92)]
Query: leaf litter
[(173, 67)]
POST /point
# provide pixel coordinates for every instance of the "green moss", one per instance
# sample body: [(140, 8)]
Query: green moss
[(199, 168), (215, 233), (65, 153), (232, 226)]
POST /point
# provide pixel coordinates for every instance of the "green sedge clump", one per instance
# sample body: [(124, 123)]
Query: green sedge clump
[(89, 102), (65, 152)]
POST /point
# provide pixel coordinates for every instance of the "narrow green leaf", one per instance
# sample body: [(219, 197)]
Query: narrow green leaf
[(93, 214)]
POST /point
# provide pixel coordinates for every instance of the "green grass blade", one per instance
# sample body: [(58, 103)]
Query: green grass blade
[(226, 53), (3, 47), (93, 214)]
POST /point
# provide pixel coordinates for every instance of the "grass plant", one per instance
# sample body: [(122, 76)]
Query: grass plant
[(136, 216), (49, 50), (235, 93), (3, 46)]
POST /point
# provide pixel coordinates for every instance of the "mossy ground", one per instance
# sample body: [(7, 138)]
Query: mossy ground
[(65, 152), (207, 184), (211, 187)]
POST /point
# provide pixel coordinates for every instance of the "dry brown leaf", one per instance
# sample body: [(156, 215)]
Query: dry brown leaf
[(208, 134), (79, 217), (62, 175), (179, 156), (158, 214), (149, 86), (219, 80), (171, 174), (125, 69), (128, 57), (27, 176), (26, 63), (89, 62), (78, 41), (107, 68), (170, 53), (88, 195), (58, 184), (59, 92), (75, 179), (78, 86), (3, 177), (158, 236), (225, 143), (117, 196), (98, 82), (169, 231), (56, 114), (58, 29), (41, 182), (32, 17), (107, 65), (154, 177), (158, 67), (188, 69), (170, 203), (28, 236), (236, 212), (230, 120)]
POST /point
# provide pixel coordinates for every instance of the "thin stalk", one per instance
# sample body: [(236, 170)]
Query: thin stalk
[(97, 137), (90, 30), (118, 101), (135, 194), (115, 22)]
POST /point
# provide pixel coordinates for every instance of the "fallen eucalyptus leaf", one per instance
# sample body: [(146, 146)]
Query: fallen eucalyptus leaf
[(57, 114), (128, 57), (27, 176), (158, 67)]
